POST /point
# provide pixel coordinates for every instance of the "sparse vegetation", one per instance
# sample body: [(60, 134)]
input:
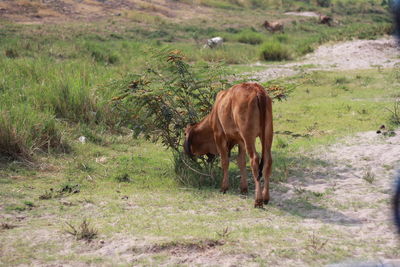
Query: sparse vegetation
[(82, 232), (369, 176)]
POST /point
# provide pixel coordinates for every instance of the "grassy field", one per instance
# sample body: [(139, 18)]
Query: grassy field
[(55, 81), (127, 191)]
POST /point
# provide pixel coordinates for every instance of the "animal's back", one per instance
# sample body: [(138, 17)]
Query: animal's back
[(238, 108)]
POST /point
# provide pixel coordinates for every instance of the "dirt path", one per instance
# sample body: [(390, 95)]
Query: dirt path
[(358, 54), (356, 185)]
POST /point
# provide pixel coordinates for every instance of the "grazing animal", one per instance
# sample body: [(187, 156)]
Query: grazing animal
[(239, 115), (323, 19), (214, 42), (273, 26)]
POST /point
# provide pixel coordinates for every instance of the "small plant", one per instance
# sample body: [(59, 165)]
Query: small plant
[(315, 243), (123, 178), (29, 204), (281, 143), (224, 233), (395, 113), (84, 231), (47, 194), (84, 166), (274, 51), (369, 176)]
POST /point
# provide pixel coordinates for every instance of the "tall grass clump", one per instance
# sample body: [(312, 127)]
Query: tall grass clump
[(250, 37), (274, 51), (24, 130)]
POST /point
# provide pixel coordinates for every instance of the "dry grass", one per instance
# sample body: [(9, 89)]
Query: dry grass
[(82, 232)]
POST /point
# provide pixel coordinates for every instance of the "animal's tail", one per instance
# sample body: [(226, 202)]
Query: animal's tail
[(265, 107)]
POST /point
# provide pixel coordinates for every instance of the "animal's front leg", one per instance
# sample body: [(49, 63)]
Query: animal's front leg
[(225, 167), (223, 151), (242, 166)]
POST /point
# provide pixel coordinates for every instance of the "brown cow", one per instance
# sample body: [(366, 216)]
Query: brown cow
[(239, 115), (273, 26)]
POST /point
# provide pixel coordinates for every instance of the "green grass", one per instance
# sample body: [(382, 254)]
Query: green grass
[(53, 89), (152, 215)]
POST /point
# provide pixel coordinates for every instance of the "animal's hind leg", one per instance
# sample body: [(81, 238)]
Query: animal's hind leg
[(241, 160), (267, 174), (254, 160)]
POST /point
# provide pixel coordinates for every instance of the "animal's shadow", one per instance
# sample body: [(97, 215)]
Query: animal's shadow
[(290, 194)]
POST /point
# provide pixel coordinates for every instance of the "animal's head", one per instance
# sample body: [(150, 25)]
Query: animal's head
[(187, 145), (199, 143)]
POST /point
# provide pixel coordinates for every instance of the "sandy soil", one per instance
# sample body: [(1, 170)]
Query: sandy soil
[(359, 176), (357, 54)]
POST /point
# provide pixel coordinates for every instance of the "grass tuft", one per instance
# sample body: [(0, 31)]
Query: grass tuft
[(274, 51), (82, 232)]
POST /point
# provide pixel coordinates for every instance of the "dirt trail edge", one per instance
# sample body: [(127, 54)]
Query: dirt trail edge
[(357, 54)]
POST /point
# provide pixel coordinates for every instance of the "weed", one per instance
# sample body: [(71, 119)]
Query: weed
[(84, 166), (29, 204), (84, 231), (369, 176), (395, 113), (281, 143), (225, 233), (316, 244), (299, 190), (123, 178), (47, 194)]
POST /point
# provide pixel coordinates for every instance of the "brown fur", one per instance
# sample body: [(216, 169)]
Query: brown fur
[(239, 115), (273, 26)]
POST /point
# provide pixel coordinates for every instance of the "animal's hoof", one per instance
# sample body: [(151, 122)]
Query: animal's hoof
[(243, 191), (223, 191), (258, 204), (266, 201)]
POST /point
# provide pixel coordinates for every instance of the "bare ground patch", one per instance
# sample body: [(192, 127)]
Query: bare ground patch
[(354, 189), (351, 55)]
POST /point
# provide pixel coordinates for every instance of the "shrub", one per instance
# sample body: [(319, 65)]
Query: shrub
[(171, 94), (274, 51), (159, 103), (250, 37)]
